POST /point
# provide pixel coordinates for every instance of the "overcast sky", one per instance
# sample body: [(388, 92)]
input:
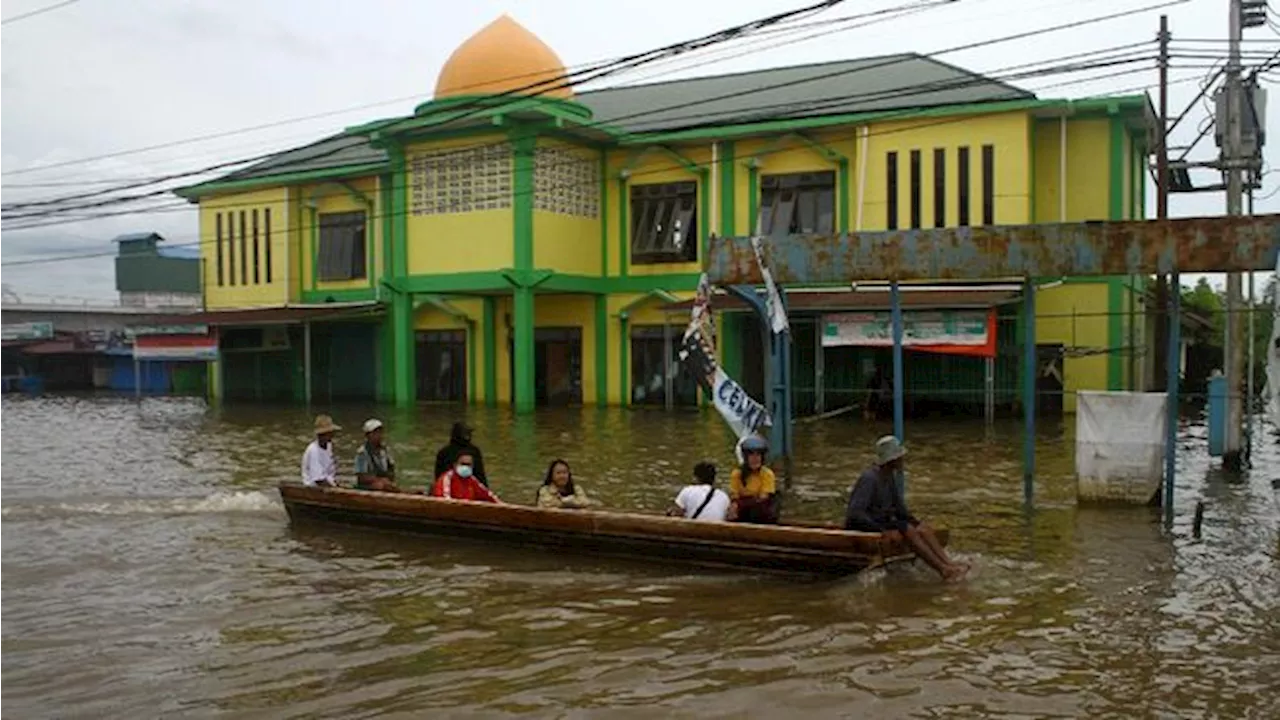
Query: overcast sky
[(103, 76)]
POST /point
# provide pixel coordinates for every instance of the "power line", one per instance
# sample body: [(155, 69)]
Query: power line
[(786, 109), (40, 11), (845, 72)]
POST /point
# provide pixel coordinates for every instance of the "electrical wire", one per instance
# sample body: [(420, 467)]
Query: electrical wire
[(38, 11)]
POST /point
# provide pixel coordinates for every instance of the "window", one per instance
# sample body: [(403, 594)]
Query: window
[(797, 204), (939, 187), (915, 189), (266, 238), (891, 190), (664, 223), (342, 246), (649, 371), (244, 252), (218, 249), (988, 185), (257, 250), (231, 248), (962, 171)]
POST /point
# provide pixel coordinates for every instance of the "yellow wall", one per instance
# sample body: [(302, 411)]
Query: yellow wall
[(430, 317), (1088, 170), (1075, 316), (569, 243), (478, 241), (652, 167), (333, 198), (283, 245), (1008, 133)]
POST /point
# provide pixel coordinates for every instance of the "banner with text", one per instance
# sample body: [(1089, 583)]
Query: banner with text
[(967, 332)]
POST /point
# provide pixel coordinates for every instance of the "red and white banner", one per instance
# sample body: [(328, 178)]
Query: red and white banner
[(176, 347)]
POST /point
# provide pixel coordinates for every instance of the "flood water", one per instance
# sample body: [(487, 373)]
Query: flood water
[(150, 571)]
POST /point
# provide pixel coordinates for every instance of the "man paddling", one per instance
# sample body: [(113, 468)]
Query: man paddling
[(375, 470), (876, 504)]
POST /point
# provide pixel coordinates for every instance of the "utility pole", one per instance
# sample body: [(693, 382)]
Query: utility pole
[(1162, 203), (1232, 163)]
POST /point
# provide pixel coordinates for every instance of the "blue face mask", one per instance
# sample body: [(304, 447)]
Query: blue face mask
[(464, 471)]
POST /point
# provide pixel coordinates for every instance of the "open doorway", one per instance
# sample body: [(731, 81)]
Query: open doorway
[(557, 361)]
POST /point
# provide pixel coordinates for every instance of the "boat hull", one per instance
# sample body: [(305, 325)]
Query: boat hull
[(807, 550)]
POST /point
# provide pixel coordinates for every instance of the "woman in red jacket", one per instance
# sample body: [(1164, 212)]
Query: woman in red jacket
[(459, 483)]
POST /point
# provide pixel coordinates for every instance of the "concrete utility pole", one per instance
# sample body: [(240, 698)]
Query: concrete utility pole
[(1162, 204), (1233, 161)]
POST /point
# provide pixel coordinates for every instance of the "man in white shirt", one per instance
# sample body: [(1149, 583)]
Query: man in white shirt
[(703, 500), (318, 466)]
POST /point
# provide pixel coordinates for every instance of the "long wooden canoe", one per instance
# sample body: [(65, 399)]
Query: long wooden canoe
[(808, 549)]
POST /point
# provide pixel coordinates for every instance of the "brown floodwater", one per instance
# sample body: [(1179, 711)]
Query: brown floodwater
[(150, 571)]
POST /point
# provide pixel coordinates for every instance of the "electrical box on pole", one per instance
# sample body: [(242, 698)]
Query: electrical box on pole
[(1253, 13), (1253, 119)]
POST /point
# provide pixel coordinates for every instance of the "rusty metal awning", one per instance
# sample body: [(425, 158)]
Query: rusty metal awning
[(862, 299), (285, 315), (1221, 244)]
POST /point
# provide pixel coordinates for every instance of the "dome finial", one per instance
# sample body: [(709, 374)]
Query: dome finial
[(502, 57)]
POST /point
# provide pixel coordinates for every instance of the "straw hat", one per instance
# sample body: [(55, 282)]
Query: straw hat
[(888, 449), (324, 424)]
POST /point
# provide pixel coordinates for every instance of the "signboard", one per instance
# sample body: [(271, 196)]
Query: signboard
[(167, 330), (27, 331), (176, 347), (921, 328)]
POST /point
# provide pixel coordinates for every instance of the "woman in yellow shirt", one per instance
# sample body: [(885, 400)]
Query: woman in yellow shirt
[(753, 487)]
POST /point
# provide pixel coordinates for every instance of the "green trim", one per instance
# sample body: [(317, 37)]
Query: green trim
[(636, 156), (1124, 104), (524, 349), (473, 392), (604, 214), (1115, 172), (386, 192), (387, 373), (401, 303), (624, 256), (402, 329), (320, 297), (213, 187), (728, 189), (1115, 332), (569, 283), (624, 362), (602, 350), (524, 144), (490, 351), (482, 281), (753, 197), (466, 105)]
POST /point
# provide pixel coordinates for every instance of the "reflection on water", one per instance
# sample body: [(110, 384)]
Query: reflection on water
[(150, 570)]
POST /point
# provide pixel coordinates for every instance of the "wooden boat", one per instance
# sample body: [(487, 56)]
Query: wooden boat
[(809, 549)]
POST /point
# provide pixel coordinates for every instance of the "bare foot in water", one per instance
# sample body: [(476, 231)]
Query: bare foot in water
[(956, 573)]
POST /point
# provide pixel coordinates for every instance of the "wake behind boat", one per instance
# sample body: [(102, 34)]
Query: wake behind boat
[(793, 549)]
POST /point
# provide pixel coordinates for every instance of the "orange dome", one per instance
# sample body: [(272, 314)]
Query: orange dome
[(502, 57)]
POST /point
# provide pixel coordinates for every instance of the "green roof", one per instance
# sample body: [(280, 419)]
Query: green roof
[(900, 83)]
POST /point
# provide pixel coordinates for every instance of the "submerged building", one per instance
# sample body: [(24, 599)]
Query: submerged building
[(514, 240)]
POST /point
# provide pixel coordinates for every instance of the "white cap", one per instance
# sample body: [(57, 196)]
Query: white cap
[(372, 424)]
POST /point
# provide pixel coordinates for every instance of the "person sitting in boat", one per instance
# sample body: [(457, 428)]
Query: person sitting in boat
[(375, 469), (876, 504), (318, 466), (460, 483), (753, 487), (702, 500), (559, 491), (459, 442)]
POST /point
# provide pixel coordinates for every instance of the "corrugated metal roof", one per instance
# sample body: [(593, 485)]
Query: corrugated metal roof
[(847, 86), (851, 300), (264, 316), (893, 82)]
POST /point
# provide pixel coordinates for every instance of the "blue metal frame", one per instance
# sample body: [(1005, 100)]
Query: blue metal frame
[(777, 374)]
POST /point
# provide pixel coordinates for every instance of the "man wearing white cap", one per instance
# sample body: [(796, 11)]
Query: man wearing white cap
[(375, 470), (876, 504), (318, 466)]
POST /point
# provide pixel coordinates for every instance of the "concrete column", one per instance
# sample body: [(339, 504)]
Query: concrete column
[(524, 354)]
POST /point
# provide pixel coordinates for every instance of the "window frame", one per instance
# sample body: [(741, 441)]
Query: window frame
[(654, 206), (330, 227), (786, 199)]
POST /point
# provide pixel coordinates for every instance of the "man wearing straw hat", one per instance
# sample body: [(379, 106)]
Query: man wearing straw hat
[(876, 504), (318, 466)]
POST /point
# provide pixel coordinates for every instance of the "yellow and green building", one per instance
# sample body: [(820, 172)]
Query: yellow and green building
[(516, 240)]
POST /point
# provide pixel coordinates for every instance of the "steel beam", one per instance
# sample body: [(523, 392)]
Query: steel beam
[(1221, 244)]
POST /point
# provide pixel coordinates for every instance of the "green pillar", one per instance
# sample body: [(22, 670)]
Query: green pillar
[(490, 351), (401, 319), (602, 351), (524, 145), (523, 322), (624, 365)]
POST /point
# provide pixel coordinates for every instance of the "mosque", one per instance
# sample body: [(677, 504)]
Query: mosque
[(517, 241)]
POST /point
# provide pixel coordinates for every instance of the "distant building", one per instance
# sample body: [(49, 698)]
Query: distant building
[(151, 276)]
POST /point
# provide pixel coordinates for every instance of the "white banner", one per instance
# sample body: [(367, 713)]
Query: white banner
[(944, 327), (772, 300)]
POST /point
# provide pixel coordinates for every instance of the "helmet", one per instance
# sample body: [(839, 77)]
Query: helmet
[(754, 443)]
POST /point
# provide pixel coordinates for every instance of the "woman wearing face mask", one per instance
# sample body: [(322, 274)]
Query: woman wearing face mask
[(559, 491), (459, 483)]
